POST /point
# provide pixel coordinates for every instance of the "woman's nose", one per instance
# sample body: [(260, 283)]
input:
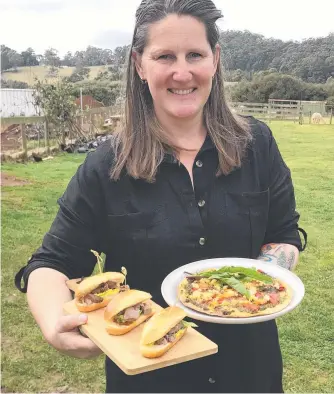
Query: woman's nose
[(182, 72)]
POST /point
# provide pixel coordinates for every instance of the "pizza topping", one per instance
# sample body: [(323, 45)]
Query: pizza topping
[(228, 293), (274, 298), (251, 308), (268, 289), (225, 312)]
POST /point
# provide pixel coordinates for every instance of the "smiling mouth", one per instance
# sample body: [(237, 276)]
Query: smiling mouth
[(180, 92)]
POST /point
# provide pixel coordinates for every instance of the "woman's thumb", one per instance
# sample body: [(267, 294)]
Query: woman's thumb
[(70, 322)]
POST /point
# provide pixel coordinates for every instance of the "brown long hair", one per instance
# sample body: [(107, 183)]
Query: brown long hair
[(140, 145)]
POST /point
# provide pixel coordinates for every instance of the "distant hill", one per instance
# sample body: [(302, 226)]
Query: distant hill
[(243, 54), (27, 74)]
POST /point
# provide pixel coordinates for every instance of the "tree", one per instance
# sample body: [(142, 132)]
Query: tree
[(68, 60), (107, 57), (113, 73), (104, 91), (10, 59), (5, 63), (51, 58), (79, 57), (56, 101), (235, 75), (266, 86), (79, 74), (92, 56), (29, 57), (15, 59), (120, 55), (279, 86)]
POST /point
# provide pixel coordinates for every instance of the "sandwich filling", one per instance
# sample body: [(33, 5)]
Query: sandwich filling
[(103, 290), (171, 335), (174, 333), (131, 314)]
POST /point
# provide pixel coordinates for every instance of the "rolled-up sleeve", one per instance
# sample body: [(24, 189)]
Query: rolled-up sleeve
[(74, 231), (283, 218)]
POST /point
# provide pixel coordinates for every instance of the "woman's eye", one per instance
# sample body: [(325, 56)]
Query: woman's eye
[(165, 57), (195, 55)]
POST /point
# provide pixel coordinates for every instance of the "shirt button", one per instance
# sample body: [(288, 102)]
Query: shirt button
[(199, 163), (201, 241), (212, 380), (201, 203)]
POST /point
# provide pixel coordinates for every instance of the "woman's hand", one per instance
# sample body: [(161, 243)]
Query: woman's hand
[(67, 339)]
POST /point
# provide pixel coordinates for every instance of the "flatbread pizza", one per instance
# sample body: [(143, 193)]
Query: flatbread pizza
[(234, 292)]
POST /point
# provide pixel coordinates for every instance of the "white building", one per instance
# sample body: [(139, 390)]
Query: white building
[(17, 102)]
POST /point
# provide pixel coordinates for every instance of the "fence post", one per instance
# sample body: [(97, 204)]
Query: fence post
[(24, 143), (309, 121), (330, 119), (90, 125), (63, 137), (269, 111), (301, 120), (46, 135), (94, 123)]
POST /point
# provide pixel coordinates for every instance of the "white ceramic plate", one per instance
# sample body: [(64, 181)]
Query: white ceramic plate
[(170, 285)]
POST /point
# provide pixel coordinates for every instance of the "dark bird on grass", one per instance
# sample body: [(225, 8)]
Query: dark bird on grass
[(36, 157)]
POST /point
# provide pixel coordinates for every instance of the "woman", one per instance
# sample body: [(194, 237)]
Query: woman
[(185, 180)]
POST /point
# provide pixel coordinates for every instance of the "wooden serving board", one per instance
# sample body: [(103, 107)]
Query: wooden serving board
[(124, 350)]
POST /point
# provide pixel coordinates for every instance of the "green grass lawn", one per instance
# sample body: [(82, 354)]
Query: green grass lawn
[(307, 338)]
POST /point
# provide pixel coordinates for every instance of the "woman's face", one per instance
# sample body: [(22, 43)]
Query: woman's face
[(178, 64)]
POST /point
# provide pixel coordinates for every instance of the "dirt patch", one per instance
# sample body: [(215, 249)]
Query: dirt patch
[(10, 180), (11, 138), (6, 390), (12, 298)]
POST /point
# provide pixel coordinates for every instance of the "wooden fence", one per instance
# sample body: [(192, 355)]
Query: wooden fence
[(269, 111), (101, 120)]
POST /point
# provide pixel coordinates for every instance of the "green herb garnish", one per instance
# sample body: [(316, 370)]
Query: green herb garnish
[(238, 286), (235, 276), (239, 273)]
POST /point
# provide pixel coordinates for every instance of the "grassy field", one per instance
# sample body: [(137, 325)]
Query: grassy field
[(27, 74), (307, 339)]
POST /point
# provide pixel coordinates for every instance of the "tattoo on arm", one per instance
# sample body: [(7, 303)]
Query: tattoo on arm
[(284, 255)]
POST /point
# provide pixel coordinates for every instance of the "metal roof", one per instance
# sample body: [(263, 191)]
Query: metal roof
[(17, 102)]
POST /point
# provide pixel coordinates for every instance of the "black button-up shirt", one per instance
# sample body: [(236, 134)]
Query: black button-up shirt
[(153, 228)]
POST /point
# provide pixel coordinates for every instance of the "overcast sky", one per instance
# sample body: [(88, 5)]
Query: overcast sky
[(70, 25)]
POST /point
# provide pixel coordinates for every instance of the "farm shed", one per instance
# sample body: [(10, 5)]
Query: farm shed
[(17, 102)]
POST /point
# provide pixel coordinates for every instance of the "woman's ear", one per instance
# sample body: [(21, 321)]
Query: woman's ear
[(216, 57), (138, 63)]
